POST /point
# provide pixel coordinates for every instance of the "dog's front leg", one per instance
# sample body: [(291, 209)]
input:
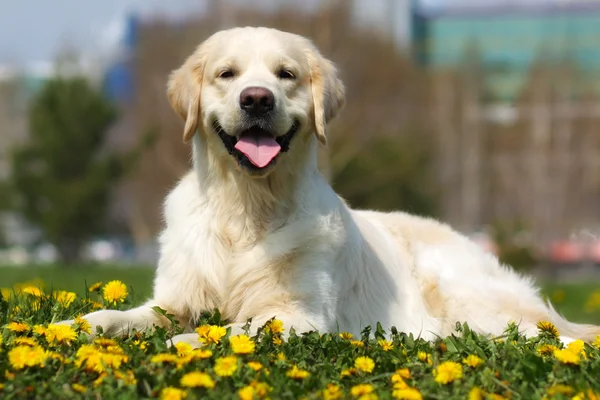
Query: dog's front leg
[(120, 323), (300, 322)]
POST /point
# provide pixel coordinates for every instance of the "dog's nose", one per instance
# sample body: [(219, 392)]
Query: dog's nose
[(256, 100)]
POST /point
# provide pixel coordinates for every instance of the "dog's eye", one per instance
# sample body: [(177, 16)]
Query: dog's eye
[(285, 74), (226, 74)]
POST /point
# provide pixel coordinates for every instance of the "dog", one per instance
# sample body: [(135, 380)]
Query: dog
[(255, 231)]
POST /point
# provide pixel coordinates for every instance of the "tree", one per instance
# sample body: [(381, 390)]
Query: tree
[(62, 178)]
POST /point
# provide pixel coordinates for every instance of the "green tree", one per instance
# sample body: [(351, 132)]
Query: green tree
[(62, 178)]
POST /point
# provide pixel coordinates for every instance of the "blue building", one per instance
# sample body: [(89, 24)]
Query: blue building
[(508, 37)]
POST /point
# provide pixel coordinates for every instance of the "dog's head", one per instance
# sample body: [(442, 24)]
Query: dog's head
[(252, 93)]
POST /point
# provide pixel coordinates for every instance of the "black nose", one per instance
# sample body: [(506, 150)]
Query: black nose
[(257, 101)]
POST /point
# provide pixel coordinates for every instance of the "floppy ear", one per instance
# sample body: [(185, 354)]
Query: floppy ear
[(328, 92), (184, 88)]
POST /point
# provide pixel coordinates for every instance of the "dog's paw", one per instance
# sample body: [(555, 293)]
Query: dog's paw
[(189, 338)]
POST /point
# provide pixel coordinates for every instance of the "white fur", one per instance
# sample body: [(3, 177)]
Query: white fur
[(284, 245)]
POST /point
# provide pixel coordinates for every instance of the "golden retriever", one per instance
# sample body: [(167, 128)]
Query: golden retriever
[(255, 231)]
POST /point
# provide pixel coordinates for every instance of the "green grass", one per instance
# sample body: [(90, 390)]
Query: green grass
[(511, 367)]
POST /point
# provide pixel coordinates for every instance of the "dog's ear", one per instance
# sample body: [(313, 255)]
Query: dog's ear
[(328, 92), (184, 89)]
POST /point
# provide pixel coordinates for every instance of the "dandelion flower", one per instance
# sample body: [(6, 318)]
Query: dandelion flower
[(349, 372), (577, 347), (407, 394), (560, 389), (472, 361), (114, 291), (201, 354), (566, 356), (197, 379), (210, 333), (447, 372), (357, 343), (332, 392), (597, 342), (65, 298), (19, 327), (424, 357), (346, 336), (277, 341), (362, 389), (20, 357), (297, 373), (164, 358), (33, 291), (95, 287), (78, 388), (385, 345), (364, 364), (546, 349), (246, 393), (23, 341), (547, 327), (183, 348), (83, 325), (476, 394), (404, 373), (255, 365), (226, 366), (171, 393), (242, 344), (60, 334), (275, 326)]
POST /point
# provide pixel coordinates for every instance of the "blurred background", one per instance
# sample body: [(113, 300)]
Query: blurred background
[(482, 113)]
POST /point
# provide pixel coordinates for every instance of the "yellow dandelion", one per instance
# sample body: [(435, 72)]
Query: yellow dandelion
[(346, 336), (362, 389), (443, 348), (357, 343), (171, 393), (274, 326), (183, 348), (403, 372), (23, 341), (65, 298), (364, 364), (95, 287), (255, 365), (546, 349), (547, 327), (242, 344), (566, 356), (226, 366), (560, 389), (407, 394), (447, 372), (59, 334), (398, 382), (246, 393), (385, 345), (476, 394), (32, 291), (424, 357), (78, 388), (201, 354), (596, 342), (277, 341), (6, 293), (297, 373), (281, 356), (20, 357), (349, 372), (472, 361), (210, 333), (114, 292), (197, 379), (98, 359), (19, 327), (82, 325), (163, 358), (577, 347), (332, 392)]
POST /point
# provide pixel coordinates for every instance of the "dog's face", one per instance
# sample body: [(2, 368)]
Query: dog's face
[(252, 93)]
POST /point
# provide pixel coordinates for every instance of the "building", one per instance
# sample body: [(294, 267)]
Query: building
[(508, 36)]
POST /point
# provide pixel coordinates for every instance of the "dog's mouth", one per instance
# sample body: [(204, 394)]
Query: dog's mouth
[(256, 148)]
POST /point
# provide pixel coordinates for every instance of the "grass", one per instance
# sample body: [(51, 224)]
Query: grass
[(38, 360)]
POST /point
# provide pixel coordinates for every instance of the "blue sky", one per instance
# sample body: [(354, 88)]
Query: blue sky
[(35, 30)]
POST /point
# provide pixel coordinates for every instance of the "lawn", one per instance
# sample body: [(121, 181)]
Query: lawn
[(42, 360)]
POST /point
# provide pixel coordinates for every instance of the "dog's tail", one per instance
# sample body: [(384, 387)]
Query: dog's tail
[(586, 332)]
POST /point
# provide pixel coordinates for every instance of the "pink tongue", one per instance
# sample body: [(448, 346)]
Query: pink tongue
[(260, 149)]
